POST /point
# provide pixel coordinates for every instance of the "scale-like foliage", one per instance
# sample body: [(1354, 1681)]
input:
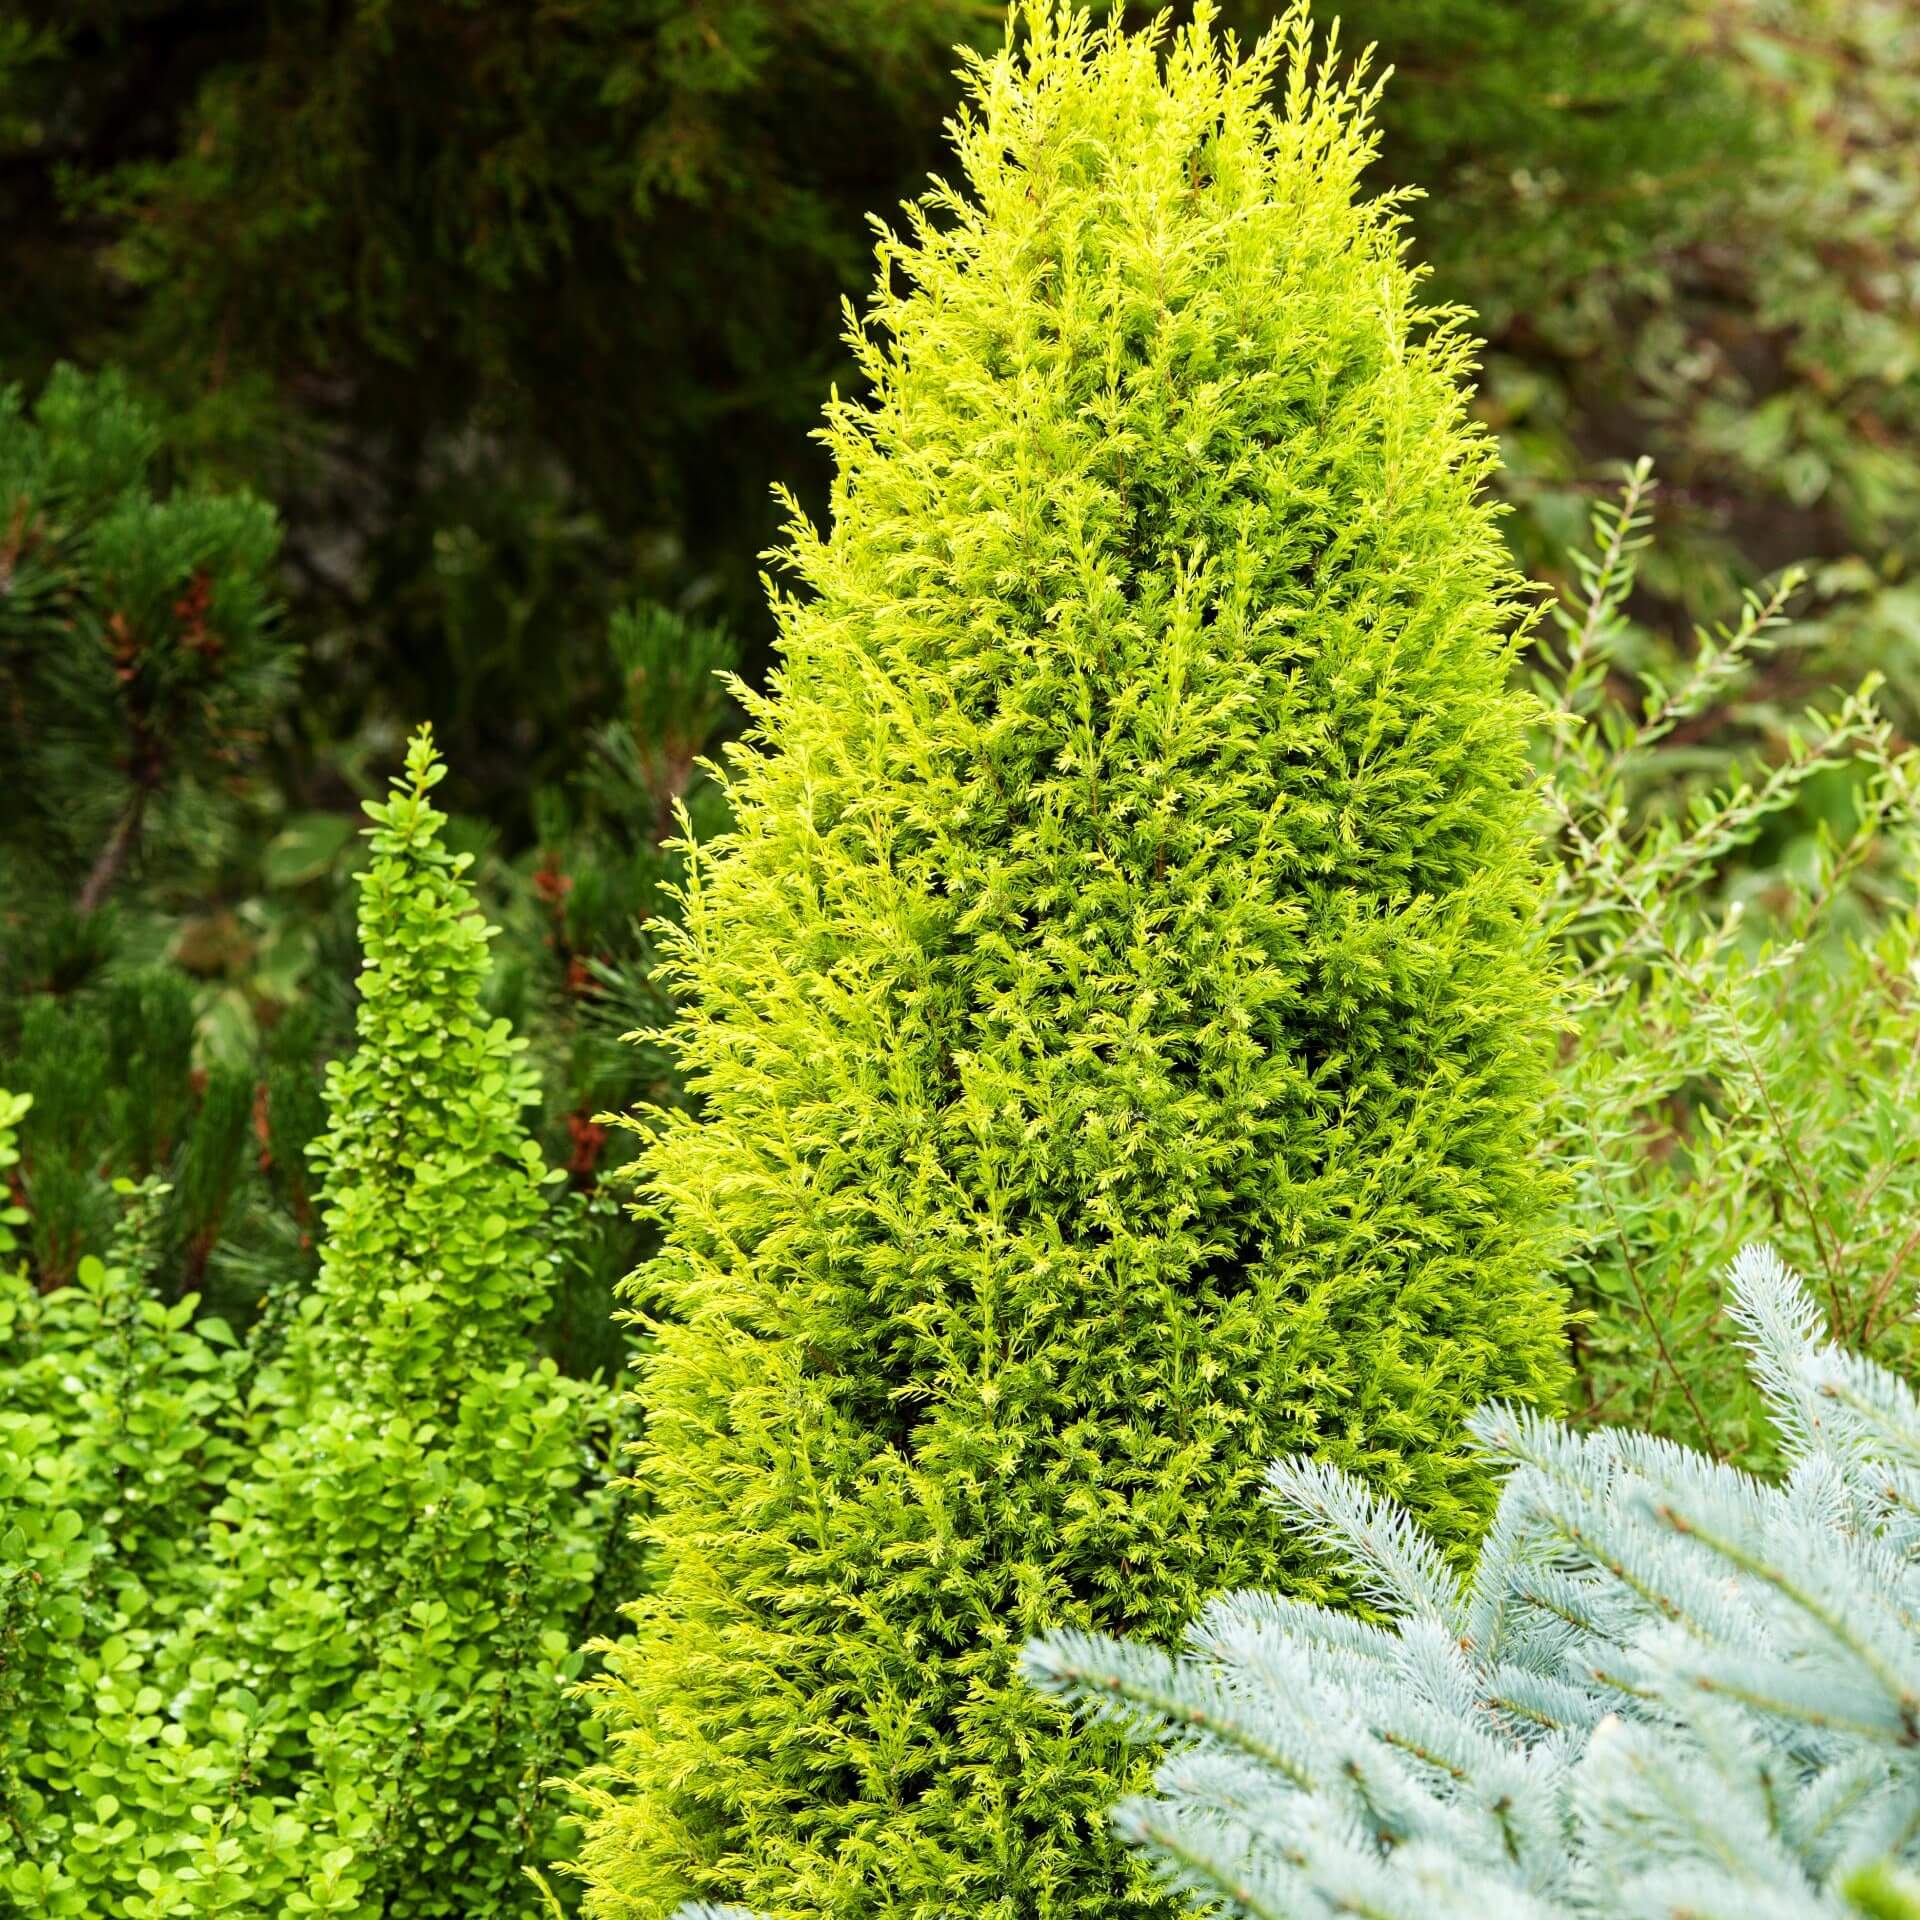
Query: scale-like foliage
[(1669, 1692), (1117, 1007)]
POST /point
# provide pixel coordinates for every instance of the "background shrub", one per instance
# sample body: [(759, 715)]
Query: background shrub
[(1737, 912), (372, 260), (138, 654), (176, 944), (368, 263)]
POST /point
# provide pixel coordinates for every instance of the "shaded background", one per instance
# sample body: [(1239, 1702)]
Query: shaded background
[(511, 314)]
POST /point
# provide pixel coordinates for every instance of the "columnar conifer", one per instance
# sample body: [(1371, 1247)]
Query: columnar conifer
[(1117, 1006)]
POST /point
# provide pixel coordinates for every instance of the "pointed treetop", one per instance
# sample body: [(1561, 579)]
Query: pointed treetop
[(433, 1257)]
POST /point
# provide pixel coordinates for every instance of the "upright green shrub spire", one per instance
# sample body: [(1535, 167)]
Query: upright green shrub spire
[(1117, 1008), (381, 1661), (346, 1695), (434, 1266)]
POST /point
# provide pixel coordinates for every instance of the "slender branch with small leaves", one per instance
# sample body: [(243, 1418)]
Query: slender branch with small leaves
[(1741, 943)]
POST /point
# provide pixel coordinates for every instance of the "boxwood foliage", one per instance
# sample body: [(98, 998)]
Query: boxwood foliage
[(1118, 1007)]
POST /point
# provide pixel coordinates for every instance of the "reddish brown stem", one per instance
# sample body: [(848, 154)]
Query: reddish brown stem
[(113, 856)]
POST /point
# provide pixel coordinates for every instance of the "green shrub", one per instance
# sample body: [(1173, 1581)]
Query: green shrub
[(1668, 1689), (43, 1559), (1552, 145), (371, 262), (44, 1562), (1737, 911), (145, 1394), (138, 650), (344, 1694), (122, 1413), (578, 967), (13, 1109), (1762, 340), (1117, 1007), (142, 666)]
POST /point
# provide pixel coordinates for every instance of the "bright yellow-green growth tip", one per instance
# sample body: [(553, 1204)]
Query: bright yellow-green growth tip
[(1118, 1010)]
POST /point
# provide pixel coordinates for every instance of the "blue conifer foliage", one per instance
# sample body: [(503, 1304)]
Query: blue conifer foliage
[(1669, 1689)]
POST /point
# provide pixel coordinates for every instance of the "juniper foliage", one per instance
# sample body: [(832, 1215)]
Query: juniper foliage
[(1117, 1010), (1668, 1689)]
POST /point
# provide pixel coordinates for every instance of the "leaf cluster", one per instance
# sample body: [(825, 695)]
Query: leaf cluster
[(1736, 907), (317, 1596)]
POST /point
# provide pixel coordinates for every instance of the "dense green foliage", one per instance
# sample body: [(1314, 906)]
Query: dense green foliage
[(1688, 230), (139, 658), (1093, 1097), (370, 258), (583, 913), (125, 1413), (1668, 1689), (1118, 1007), (508, 307), (299, 1615), (175, 938), (1762, 341), (1550, 144), (142, 666)]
